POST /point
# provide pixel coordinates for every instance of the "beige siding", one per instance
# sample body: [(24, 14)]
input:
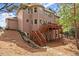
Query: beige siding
[(23, 16), (12, 24), (20, 19)]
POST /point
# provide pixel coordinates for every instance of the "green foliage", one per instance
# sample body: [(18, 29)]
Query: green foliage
[(67, 18), (71, 32)]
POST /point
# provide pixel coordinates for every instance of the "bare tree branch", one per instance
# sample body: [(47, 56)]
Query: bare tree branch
[(4, 6)]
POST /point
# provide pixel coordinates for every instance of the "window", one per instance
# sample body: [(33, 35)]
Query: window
[(40, 21), (27, 20), (50, 29), (35, 21), (31, 11), (28, 10), (44, 22), (35, 9)]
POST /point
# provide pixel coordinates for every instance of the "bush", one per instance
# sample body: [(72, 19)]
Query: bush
[(70, 33)]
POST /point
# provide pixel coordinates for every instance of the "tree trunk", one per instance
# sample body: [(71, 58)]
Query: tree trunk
[(75, 24)]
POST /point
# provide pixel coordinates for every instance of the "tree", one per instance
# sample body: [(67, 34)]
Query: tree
[(75, 24), (69, 17), (8, 7)]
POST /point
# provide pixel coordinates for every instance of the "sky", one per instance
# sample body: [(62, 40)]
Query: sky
[(53, 6), (4, 15)]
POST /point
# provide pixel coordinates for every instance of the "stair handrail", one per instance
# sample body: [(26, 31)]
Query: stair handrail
[(32, 41)]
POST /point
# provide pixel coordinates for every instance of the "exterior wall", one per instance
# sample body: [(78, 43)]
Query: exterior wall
[(35, 16), (20, 19), (12, 24), (41, 15), (45, 16), (26, 20)]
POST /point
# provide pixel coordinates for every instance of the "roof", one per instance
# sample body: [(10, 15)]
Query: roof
[(47, 10), (57, 16), (25, 5), (12, 18)]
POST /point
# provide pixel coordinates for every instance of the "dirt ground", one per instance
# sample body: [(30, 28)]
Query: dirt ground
[(11, 44)]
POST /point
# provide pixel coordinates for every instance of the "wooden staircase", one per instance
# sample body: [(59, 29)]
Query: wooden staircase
[(30, 42), (38, 38)]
